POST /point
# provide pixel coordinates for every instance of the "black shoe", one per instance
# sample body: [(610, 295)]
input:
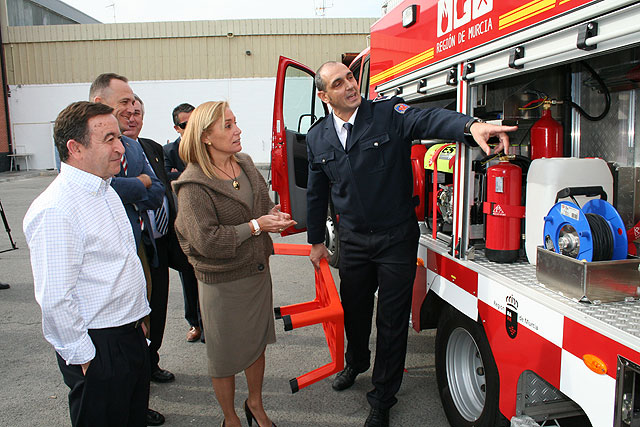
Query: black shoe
[(378, 417), (4, 285), (345, 379), (162, 376), (251, 417), (154, 418)]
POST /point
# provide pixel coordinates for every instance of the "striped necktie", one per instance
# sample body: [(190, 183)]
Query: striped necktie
[(162, 221), (123, 162)]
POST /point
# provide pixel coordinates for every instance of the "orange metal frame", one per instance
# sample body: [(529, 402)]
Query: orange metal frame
[(325, 308)]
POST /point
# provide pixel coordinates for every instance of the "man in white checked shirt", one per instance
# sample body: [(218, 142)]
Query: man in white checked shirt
[(87, 275)]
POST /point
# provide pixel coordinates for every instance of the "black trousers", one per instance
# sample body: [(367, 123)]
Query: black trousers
[(159, 300), (190, 294), (115, 390), (179, 262), (385, 261)]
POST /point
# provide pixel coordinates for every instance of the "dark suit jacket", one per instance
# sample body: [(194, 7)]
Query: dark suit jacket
[(172, 160), (137, 199), (155, 155), (370, 182)]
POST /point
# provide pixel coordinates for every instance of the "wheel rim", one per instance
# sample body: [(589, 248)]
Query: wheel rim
[(330, 236), (466, 374)]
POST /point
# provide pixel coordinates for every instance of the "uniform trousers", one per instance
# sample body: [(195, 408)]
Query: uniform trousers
[(115, 390), (384, 261)]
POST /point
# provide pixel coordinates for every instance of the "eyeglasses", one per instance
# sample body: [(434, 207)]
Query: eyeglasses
[(182, 125)]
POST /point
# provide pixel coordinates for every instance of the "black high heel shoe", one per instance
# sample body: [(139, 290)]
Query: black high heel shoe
[(251, 417)]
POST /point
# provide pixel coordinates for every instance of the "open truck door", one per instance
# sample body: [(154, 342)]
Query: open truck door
[(295, 108)]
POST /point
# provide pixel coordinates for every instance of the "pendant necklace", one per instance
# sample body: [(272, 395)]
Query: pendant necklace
[(234, 181)]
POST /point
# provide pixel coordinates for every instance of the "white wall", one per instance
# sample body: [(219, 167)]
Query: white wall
[(33, 108)]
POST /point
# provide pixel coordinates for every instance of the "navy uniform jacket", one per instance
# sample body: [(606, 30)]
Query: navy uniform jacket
[(136, 198), (370, 183)]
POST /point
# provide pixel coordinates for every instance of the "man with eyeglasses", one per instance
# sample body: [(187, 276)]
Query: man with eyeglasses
[(174, 166)]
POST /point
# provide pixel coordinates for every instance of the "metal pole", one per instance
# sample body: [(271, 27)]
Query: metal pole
[(8, 229)]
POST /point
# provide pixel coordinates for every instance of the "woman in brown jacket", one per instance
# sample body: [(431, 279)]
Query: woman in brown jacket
[(223, 224)]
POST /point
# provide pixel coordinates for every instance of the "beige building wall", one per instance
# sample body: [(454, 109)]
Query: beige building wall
[(176, 50)]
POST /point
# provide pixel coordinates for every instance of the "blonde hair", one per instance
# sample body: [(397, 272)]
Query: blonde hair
[(192, 149)]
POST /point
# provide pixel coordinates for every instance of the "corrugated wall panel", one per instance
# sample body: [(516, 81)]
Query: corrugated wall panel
[(234, 59), (175, 50), (224, 50)]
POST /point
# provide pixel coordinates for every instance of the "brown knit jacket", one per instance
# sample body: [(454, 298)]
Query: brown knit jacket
[(207, 214)]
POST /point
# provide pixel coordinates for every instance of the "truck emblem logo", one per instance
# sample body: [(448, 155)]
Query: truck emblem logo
[(453, 14), (444, 17), (480, 7), (463, 13), (511, 317), (460, 8)]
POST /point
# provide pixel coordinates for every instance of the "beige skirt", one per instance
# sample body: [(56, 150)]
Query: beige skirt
[(238, 322)]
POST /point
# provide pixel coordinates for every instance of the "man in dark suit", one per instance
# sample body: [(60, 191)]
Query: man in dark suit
[(359, 156), (172, 162), (167, 246), (136, 184), (174, 166)]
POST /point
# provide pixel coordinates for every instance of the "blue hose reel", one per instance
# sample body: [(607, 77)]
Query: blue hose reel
[(594, 233)]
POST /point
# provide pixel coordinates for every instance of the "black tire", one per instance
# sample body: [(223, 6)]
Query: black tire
[(466, 371), (331, 240)]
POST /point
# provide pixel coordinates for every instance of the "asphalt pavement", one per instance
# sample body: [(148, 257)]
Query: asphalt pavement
[(32, 392)]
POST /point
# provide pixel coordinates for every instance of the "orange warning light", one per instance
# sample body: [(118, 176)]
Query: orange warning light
[(595, 364)]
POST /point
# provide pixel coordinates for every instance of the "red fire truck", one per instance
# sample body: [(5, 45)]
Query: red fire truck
[(549, 328)]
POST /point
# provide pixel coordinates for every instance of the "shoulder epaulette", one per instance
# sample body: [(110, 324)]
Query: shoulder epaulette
[(381, 98)]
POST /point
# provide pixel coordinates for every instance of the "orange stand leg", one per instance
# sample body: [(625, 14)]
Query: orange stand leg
[(325, 308)]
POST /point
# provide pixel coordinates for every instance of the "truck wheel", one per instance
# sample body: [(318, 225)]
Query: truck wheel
[(331, 240), (467, 375)]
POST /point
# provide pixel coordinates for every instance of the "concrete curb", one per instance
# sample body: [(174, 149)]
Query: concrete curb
[(18, 175)]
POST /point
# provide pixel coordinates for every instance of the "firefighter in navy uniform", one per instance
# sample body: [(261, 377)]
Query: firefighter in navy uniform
[(359, 156)]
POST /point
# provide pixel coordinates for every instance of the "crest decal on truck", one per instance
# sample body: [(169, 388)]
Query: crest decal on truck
[(511, 317)]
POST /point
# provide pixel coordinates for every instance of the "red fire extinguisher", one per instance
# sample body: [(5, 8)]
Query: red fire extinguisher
[(546, 135), (504, 212)]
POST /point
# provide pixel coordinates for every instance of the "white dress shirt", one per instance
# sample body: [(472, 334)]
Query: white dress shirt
[(86, 271), (340, 129)]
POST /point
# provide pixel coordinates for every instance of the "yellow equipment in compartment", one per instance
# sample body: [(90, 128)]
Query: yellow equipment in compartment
[(444, 159)]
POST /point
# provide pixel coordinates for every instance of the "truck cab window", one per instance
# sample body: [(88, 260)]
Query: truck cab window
[(364, 81), (301, 106)]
